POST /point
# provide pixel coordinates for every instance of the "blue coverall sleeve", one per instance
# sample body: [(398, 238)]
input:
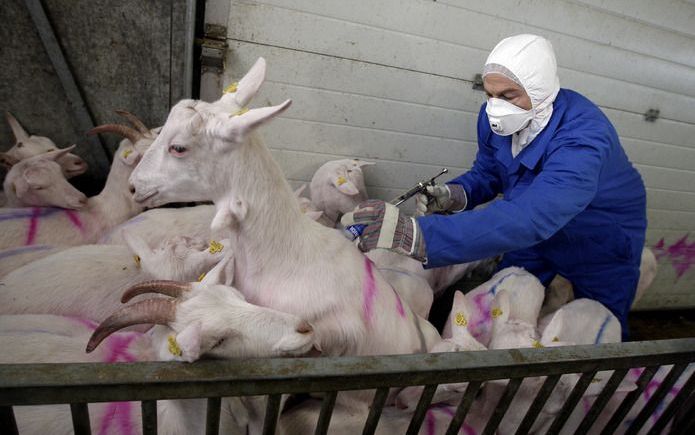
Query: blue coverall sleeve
[(482, 182), (564, 188)]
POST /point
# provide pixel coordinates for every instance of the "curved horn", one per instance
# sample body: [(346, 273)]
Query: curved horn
[(139, 125), (164, 287), (155, 311), (130, 133)]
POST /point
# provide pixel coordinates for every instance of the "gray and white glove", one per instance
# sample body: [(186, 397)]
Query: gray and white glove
[(440, 198)]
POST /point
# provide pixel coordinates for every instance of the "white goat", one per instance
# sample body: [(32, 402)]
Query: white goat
[(203, 321), (54, 226), (337, 187), (207, 151), (86, 280), (14, 258), (27, 146), (39, 182)]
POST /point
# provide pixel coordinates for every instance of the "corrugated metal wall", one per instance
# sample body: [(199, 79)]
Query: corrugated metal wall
[(391, 81), (124, 55)]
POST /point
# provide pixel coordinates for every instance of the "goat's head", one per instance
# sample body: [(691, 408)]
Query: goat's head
[(136, 140), (185, 161), (338, 186), (209, 320), (39, 181), (179, 258), (27, 146)]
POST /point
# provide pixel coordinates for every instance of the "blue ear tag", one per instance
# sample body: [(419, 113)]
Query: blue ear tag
[(353, 231)]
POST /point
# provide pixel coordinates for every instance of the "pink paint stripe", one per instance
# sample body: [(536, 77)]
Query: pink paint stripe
[(33, 225), (119, 348), (399, 304), (368, 290), (75, 219), (120, 414), (430, 423), (446, 409)]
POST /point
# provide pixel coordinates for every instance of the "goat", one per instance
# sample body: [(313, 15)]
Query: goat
[(203, 321), (55, 226), (85, 280), (27, 146), (39, 182)]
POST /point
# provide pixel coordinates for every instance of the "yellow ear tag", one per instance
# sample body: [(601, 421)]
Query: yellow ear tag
[(496, 312), (174, 348), (240, 112), (127, 152), (341, 180), (201, 277), (537, 344), (215, 247), (232, 87), (137, 260), (460, 320), (555, 339)]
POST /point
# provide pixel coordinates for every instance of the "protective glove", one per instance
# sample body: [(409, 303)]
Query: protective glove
[(385, 226), (447, 197)]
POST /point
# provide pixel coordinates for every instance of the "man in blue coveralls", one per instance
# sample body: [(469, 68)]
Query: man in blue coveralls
[(572, 203)]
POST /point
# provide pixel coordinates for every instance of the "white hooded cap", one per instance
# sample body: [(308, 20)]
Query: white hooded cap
[(528, 60)]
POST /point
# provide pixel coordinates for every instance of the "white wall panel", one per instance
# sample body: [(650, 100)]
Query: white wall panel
[(390, 81)]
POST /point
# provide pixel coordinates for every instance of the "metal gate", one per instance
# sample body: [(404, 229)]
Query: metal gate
[(80, 384)]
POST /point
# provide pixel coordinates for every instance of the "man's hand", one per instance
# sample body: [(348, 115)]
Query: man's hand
[(439, 198), (386, 227)]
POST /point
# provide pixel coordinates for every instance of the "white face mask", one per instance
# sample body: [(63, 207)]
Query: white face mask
[(506, 118)]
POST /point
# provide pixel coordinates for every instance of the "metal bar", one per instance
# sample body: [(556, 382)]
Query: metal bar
[(629, 400), (675, 404), (502, 406), (601, 400), (272, 411), (571, 403), (80, 418), (326, 413), (8, 424), (34, 384), (78, 104), (188, 49), (463, 408), (421, 409), (375, 411), (537, 405), (685, 423), (149, 417), (212, 417), (654, 401)]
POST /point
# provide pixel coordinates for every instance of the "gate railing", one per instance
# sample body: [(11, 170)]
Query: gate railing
[(78, 384)]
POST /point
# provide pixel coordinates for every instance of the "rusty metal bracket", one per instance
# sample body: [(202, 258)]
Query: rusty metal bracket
[(213, 48)]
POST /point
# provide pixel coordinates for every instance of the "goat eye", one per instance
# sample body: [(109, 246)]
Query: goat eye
[(349, 171), (19, 144), (218, 343), (177, 150)]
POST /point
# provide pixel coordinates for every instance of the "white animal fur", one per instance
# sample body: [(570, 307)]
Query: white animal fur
[(277, 247), (86, 280), (27, 146), (39, 182), (54, 227)]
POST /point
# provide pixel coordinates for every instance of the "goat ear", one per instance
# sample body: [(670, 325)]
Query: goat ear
[(138, 246), (230, 212), (500, 307), (298, 192), (7, 160), (19, 133), (345, 186), (314, 215), (239, 126), (249, 85), (361, 163), (553, 331), (129, 155), (56, 154), (36, 177), (223, 272), (189, 340)]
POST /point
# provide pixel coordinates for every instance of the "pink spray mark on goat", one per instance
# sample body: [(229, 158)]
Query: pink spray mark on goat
[(33, 225), (75, 219), (446, 409), (430, 423), (368, 290), (681, 254), (120, 414)]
